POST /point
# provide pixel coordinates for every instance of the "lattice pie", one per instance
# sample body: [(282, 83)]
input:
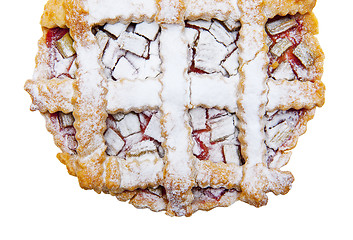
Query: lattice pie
[(178, 105)]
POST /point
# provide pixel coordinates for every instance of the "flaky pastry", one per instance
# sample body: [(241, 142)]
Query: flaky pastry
[(178, 105)]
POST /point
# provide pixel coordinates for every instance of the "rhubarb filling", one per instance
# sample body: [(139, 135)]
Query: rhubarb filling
[(62, 54), (280, 128), (209, 194), (63, 125), (215, 135), (290, 58), (129, 51), (134, 135), (212, 47), (201, 195)]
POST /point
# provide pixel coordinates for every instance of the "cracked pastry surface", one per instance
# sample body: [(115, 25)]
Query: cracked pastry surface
[(176, 105)]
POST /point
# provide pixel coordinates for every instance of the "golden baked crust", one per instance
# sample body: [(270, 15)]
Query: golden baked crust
[(55, 11), (54, 14), (284, 7), (81, 103)]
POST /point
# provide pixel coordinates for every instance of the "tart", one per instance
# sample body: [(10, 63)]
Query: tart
[(176, 105)]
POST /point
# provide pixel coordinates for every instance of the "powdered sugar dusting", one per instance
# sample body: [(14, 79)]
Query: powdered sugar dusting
[(127, 10), (175, 99), (140, 174), (294, 94), (253, 102), (90, 103), (214, 90), (213, 8), (127, 95), (167, 88)]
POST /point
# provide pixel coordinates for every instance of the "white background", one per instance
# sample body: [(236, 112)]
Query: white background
[(41, 201)]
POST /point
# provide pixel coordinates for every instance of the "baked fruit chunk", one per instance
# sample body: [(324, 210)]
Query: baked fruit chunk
[(176, 105)]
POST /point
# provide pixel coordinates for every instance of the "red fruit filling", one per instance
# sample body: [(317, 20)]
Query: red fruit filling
[(215, 135), (211, 46), (61, 53), (129, 51), (280, 129), (63, 125), (289, 57), (134, 134), (210, 194)]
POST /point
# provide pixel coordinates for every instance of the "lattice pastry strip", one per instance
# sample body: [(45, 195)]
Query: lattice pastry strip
[(178, 105)]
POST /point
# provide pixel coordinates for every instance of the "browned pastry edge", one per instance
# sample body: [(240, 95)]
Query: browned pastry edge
[(55, 11), (54, 14), (53, 94), (144, 199), (284, 7), (305, 117)]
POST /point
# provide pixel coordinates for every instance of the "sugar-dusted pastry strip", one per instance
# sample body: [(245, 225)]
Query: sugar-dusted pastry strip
[(266, 180), (126, 95), (218, 175), (179, 169), (164, 11), (284, 94), (117, 175), (252, 87), (251, 107), (176, 11), (141, 174), (284, 7), (112, 175), (170, 11), (51, 96), (56, 95), (214, 90), (210, 9), (89, 100), (121, 10)]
